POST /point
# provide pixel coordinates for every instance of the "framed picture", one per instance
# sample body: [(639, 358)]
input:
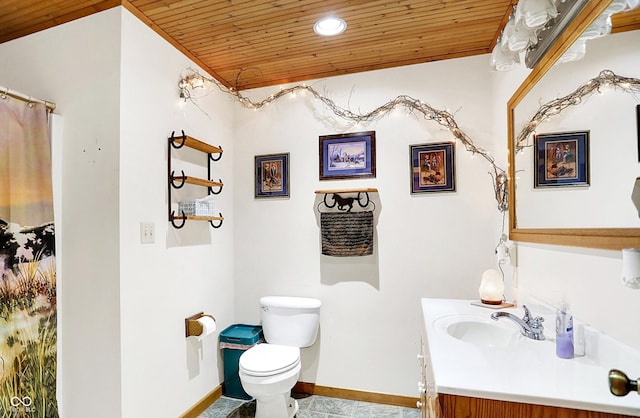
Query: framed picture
[(561, 159), (272, 175), (432, 167), (346, 156)]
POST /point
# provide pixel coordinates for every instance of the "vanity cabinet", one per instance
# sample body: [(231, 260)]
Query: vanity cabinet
[(434, 405), (453, 406), (422, 384), (213, 154), (428, 403), (465, 379)]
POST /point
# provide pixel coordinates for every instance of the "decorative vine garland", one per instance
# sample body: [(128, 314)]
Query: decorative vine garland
[(442, 117), (606, 78)]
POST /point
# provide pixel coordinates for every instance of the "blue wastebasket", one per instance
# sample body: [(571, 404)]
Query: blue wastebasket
[(235, 340)]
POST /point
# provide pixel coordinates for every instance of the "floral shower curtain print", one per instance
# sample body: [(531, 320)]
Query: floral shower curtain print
[(28, 330)]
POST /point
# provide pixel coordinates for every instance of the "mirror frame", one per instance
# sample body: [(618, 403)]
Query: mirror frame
[(603, 238)]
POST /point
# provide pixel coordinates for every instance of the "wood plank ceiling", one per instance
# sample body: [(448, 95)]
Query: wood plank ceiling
[(255, 43)]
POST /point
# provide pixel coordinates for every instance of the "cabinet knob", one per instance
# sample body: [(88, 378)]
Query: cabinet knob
[(419, 405), (620, 384)]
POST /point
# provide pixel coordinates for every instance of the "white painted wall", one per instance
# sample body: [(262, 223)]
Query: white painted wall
[(123, 304), (427, 245), (187, 270)]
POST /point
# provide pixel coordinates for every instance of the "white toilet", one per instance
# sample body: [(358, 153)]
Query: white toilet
[(269, 371)]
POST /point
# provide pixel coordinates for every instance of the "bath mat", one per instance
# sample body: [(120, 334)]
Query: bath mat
[(347, 234)]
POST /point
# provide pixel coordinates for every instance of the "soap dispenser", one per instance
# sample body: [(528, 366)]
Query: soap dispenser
[(564, 333)]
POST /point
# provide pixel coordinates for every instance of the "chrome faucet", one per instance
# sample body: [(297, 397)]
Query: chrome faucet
[(529, 327)]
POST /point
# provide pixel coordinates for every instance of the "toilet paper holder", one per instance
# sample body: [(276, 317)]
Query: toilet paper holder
[(193, 328)]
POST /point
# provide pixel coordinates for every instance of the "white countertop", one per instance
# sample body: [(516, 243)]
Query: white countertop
[(529, 372)]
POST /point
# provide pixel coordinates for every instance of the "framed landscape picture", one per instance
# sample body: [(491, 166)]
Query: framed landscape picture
[(561, 159), (272, 175), (346, 156), (432, 167)]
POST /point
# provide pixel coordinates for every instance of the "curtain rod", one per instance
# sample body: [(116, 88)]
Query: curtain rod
[(4, 91)]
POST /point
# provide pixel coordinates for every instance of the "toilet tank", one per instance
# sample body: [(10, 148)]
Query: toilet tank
[(289, 320)]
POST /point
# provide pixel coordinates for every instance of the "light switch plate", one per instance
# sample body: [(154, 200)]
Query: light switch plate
[(147, 233)]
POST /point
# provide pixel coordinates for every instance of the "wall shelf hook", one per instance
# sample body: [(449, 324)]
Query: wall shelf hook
[(219, 154), (178, 145), (172, 219), (219, 190), (219, 224), (173, 178)]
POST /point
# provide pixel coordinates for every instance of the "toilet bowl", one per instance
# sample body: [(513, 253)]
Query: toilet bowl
[(268, 372)]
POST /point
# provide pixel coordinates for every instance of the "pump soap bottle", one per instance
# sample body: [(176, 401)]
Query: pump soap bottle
[(564, 333)]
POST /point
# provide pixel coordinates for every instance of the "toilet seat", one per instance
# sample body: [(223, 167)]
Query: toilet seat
[(269, 359)]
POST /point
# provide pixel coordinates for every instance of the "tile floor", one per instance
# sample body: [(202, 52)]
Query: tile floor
[(312, 406)]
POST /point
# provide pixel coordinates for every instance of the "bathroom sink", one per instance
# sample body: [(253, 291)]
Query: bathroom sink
[(480, 331)]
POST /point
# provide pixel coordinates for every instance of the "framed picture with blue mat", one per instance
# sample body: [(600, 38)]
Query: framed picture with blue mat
[(432, 167), (272, 175), (561, 159), (348, 156)]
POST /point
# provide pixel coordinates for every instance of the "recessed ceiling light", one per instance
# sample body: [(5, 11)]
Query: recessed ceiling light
[(330, 26)]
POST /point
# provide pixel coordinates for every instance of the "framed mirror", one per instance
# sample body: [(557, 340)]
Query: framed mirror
[(532, 221)]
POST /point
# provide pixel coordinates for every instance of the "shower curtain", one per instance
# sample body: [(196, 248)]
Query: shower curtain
[(28, 330)]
